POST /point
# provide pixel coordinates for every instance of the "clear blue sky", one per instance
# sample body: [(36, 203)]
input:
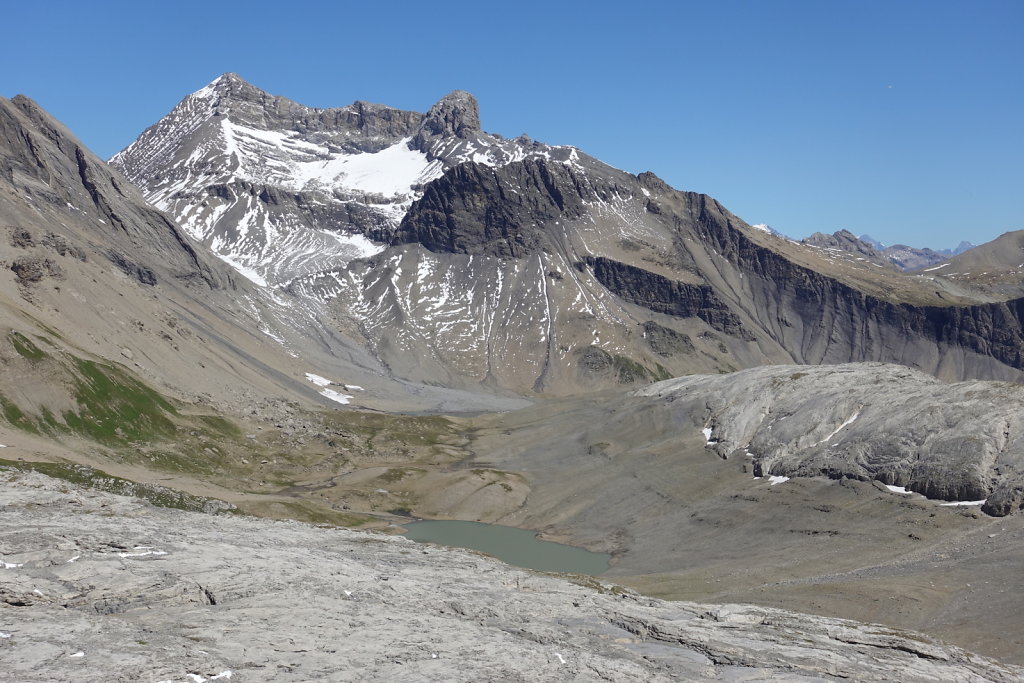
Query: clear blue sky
[(900, 119)]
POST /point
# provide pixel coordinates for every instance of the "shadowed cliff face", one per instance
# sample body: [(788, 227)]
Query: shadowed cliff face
[(502, 212), (860, 326), (661, 295)]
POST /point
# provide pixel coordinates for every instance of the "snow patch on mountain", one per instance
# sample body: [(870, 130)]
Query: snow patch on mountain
[(287, 194), (284, 159), (392, 171), (248, 273), (336, 396), (333, 395)]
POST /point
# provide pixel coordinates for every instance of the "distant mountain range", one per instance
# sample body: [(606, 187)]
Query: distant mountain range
[(899, 255), (960, 248)]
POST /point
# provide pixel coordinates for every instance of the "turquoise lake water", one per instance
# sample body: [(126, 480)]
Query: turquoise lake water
[(518, 547)]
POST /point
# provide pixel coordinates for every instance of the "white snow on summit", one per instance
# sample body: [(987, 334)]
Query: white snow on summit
[(290, 205)]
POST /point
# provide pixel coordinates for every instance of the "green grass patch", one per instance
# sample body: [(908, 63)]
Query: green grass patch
[(593, 584), (47, 418), (115, 408), (89, 477), (179, 462), (16, 416), (396, 474), (220, 426), (628, 371), (662, 373), (410, 436), (25, 347), (40, 325), (304, 511)]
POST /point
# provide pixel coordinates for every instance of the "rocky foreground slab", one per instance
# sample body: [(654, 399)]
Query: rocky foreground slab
[(101, 587)]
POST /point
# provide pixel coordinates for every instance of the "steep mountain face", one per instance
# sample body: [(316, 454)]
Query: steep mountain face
[(465, 259), (43, 164), (283, 191), (293, 196)]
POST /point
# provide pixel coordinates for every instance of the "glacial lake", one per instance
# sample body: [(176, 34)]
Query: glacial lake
[(518, 547)]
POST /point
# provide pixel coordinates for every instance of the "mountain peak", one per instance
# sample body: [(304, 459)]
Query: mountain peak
[(226, 84), (868, 239), (457, 113), (229, 77), (963, 246)]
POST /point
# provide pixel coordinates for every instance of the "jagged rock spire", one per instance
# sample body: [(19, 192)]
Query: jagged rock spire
[(457, 113)]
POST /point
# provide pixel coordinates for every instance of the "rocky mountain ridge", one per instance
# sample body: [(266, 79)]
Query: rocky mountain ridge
[(465, 259), (955, 251), (282, 190), (900, 256)]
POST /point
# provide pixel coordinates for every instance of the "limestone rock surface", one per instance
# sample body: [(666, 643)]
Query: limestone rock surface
[(102, 587), (867, 421)]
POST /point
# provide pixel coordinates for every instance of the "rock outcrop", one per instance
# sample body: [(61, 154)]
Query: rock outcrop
[(955, 442), (95, 585), (662, 295), (456, 114), (471, 210)]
